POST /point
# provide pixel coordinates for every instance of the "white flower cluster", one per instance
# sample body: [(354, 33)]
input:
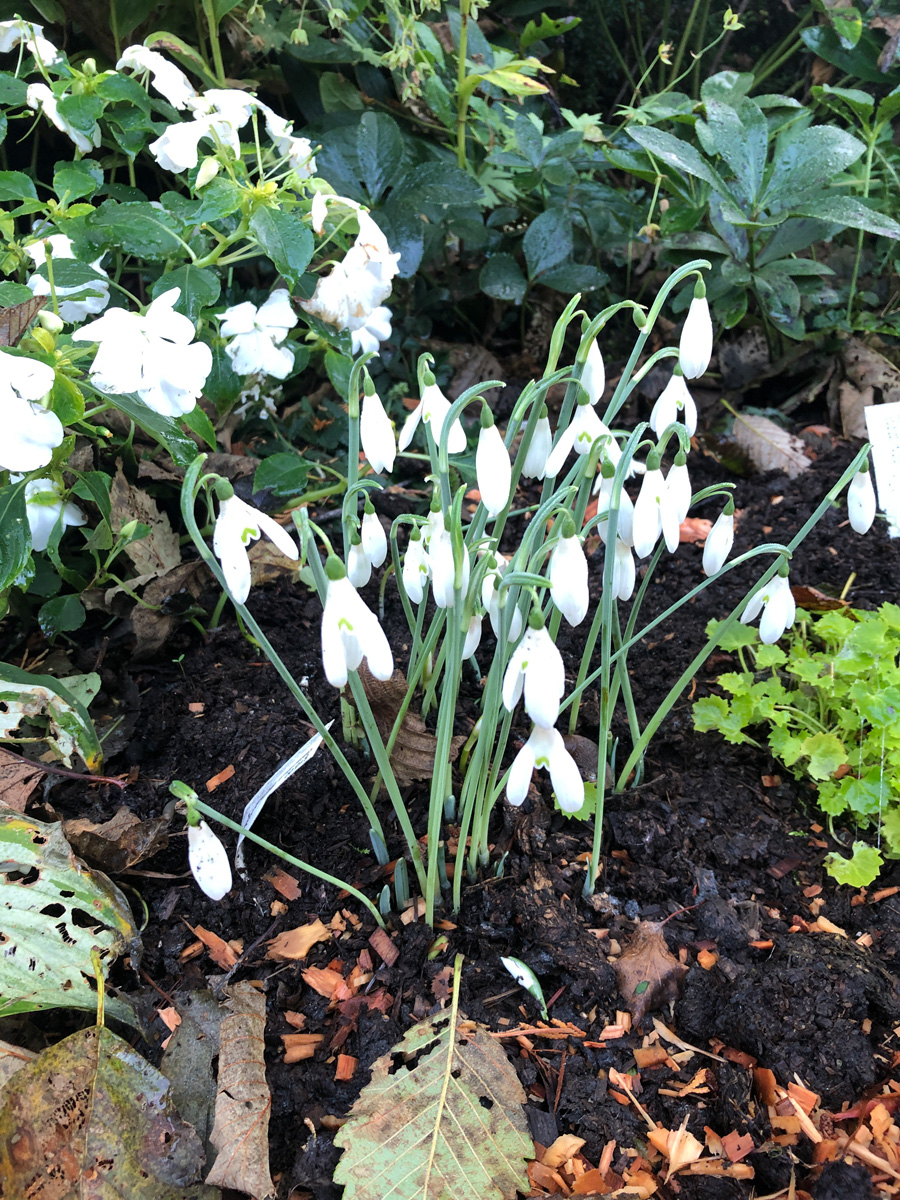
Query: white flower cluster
[(76, 302)]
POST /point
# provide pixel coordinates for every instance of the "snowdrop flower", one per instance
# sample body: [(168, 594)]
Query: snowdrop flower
[(604, 490), (673, 399), (16, 31), (92, 298), (176, 149), (415, 568), (654, 512), (535, 464), (30, 432), (493, 470), (433, 408), (719, 541), (568, 575), (678, 486), (350, 631), (442, 568), (585, 428), (536, 667), (171, 83), (359, 569), (153, 355), (490, 598), (473, 637), (593, 375), (623, 572), (44, 506), (778, 609), (861, 503), (237, 525), (377, 329), (695, 346), (546, 750), (376, 431), (209, 861), (39, 96), (374, 541), (257, 334)]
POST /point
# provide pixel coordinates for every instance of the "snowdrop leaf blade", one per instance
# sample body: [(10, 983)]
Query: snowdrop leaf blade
[(287, 242)]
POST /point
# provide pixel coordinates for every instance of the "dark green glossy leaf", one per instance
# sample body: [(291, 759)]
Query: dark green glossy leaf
[(15, 535), (501, 277), (285, 239), (548, 241), (282, 474), (199, 288), (62, 614), (15, 185)]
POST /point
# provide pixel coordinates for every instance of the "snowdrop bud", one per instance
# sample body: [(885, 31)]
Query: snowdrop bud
[(593, 377), (678, 486), (209, 861), (647, 514), (861, 503), (493, 469), (374, 541), (568, 574), (623, 572), (473, 637), (359, 569), (536, 459), (695, 346), (720, 540), (376, 432), (415, 568)]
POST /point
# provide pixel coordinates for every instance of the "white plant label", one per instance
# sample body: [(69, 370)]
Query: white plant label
[(883, 424)]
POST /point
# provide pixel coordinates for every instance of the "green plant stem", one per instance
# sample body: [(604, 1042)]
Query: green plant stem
[(212, 24), (871, 136), (463, 92), (235, 827)]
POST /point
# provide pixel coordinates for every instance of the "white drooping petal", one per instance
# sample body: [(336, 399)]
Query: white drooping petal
[(410, 425), (169, 81), (490, 598), (718, 543), (473, 636), (351, 632), (779, 612), (546, 750), (237, 525), (435, 408), (695, 346), (535, 464), (625, 521), (374, 540), (674, 399), (415, 570), (647, 513), (16, 31), (568, 574), (861, 503), (376, 434), (493, 470), (442, 569), (44, 506), (623, 572), (209, 861), (30, 432), (535, 667), (359, 569), (678, 490), (520, 775), (593, 377)]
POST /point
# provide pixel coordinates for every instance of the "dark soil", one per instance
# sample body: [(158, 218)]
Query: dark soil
[(705, 831)]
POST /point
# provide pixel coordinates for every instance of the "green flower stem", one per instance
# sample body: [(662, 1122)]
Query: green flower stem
[(351, 500), (212, 23), (464, 89), (208, 811)]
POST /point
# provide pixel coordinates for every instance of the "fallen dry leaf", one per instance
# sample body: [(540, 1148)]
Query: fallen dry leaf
[(118, 843), (12, 1059), (647, 974), (413, 754), (18, 779), (241, 1130), (158, 551), (769, 447), (297, 943), (694, 529)]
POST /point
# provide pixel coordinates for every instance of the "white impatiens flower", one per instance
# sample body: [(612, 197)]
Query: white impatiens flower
[(153, 355), (257, 334), (237, 525), (536, 667), (77, 302), (623, 572), (39, 96), (209, 861), (593, 376), (568, 575), (176, 149), (584, 429), (350, 293), (44, 506), (674, 399), (318, 212), (30, 432), (546, 750), (368, 337), (16, 31), (415, 568), (719, 541), (776, 602), (695, 346), (350, 631), (654, 513), (227, 111), (861, 504), (374, 541), (376, 433), (297, 150), (169, 81), (433, 408), (493, 470), (490, 598), (535, 464)]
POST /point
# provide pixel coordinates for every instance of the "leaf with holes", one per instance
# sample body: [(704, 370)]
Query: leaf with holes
[(89, 1119), (441, 1119), (24, 696), (53, 913)]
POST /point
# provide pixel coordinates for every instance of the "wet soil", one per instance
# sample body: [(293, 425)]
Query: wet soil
[(718, 830)]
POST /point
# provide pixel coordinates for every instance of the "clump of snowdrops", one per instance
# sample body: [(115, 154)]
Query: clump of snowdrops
[(453, 580)]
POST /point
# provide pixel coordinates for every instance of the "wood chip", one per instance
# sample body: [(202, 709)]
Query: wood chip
[(382, 944), (346, 1065), (283, 883), (224, 954), (296, 943), (223, 776), (323, 980)]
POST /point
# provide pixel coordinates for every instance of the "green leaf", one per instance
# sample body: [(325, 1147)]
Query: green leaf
[(120, 88), (736, 637), (223, 385), (571, 277), (198, 422), (95, 485), (136, 227), (857, 871), (12, 89), (547, 27), (714, 712), (548, 241), (74, 180), (182, 52), (741, 136), (223, 7), (81, 112), (826, 753), (14, 293), (379, 149), (447, 1122), (62, 614), (785, 746), (679, 154), (806, 165), (282, 474), (441, 185), (844, 210), (199, 287), (501, 277), (24, 695), (46, 962), (164, 429), (770, 656), (15, 534), (15, 185), (285, 239), (860, 103), (66, 399)]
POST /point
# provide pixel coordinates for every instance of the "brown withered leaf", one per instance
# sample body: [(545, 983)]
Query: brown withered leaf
[(647, 974), (243, 1103), (12, 1059), (813, 600), (18, 779), (16, 319), (118, 843), (158, 551), (413, 755)]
